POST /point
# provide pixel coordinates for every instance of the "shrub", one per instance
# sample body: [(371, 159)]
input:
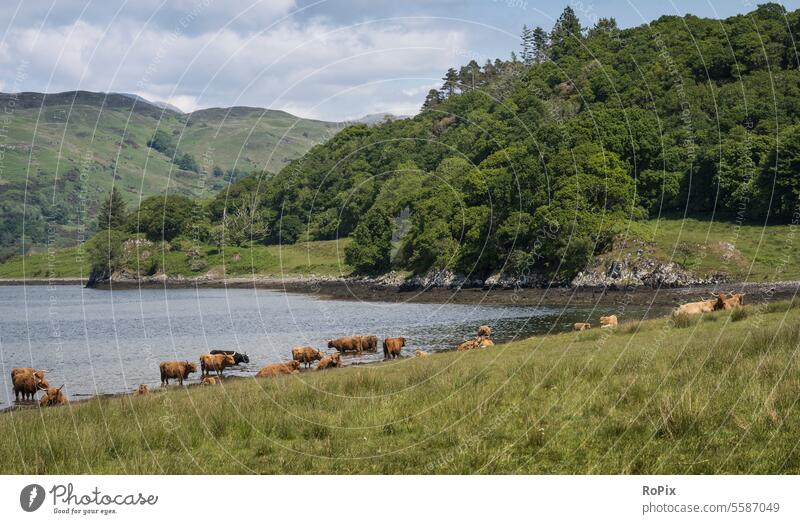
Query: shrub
[(682, 320), (738, 314)]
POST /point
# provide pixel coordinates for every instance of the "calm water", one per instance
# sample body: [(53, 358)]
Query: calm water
[(96, 341)]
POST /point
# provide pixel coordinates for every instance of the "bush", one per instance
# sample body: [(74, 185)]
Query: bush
[(160, 218), (682, 320), (738, 314)]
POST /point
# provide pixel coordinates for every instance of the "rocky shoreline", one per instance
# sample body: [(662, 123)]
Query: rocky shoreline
[(445, 289)]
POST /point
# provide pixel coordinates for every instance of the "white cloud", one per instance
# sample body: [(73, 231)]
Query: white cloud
[(311, 69)]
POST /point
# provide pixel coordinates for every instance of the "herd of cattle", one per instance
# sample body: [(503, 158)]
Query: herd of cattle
[(28, 381), (723, 302)]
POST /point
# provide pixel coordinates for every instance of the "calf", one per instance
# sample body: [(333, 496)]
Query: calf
[(176, 370), (581, 326), (209, 381), (421, 354), (484, 331), (392, 347), (142, 390)]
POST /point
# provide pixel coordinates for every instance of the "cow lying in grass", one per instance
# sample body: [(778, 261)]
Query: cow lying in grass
[(53, 397), (332, 361), (581, 326), (273, 370), (609, 321)]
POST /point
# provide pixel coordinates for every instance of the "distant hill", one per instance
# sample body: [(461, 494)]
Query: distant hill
[(64, 150)]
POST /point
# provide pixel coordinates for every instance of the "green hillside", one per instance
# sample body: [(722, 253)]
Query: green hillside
[(539, 163), (63, 152)]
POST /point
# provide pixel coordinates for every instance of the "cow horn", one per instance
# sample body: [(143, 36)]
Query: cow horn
[(59, 389)]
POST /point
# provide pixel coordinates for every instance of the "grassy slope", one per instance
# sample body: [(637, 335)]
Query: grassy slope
[(760, 254), (713, 396), (317, 258), (112, 142)]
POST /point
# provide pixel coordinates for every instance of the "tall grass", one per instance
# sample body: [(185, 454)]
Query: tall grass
[(722, 397)]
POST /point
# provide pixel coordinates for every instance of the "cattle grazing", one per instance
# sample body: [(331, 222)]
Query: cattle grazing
[(240, 358), (27, 381), (369, 343), (421, 354), (392, 347), (484, 331), (176, 370), (306, 355), (215, 363), (53, 397), (581, 326), (209, 381), (141, 390), (332, 361), (343, 345), (608, 322), (273, 370)]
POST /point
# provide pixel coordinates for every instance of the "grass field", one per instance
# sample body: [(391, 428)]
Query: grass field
[(322, 258), (717, 394), (751, 252)]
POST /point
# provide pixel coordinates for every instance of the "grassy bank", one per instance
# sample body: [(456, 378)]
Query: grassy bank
[(318, 258), (739, 251), (712, 395)]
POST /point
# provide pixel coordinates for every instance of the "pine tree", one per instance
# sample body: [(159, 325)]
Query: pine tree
[(527, 45), (564, 38), (432, 100), (539, 45), (450, 82), (113, 212)]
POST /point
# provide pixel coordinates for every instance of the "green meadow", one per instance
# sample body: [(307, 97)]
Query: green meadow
[(711, 394)]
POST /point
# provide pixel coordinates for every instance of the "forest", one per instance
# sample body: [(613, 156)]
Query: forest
[(537, 162)]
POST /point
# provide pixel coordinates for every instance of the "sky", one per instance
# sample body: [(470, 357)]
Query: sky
[(324, 59)]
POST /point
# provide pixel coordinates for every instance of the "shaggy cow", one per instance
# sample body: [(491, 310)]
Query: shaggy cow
[(581, 326), (142, 390), (469, 344), (369, 343), (241, 358), (392, 347), (209, 381), (27, 381), (176, 370), (484, 342), (273, 370), (484, 331), (421, 354), (696, 308), (53, 397), (306, 355), (216, 363), (333, 361), (343, 345), (608, 322), (727, 302)]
